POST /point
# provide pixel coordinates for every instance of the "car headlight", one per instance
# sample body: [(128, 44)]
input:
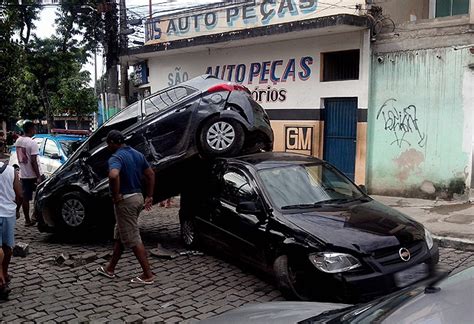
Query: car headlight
[(331, 262), (429, 239)]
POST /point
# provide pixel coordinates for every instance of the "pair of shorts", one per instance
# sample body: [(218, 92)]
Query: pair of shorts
[(126, 220), (7, 231), (28, 186)]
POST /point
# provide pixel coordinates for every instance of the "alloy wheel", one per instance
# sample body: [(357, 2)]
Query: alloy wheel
[(73, 212), (220, 136), (189, 234)]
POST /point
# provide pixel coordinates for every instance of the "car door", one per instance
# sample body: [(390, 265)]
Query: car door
[(51, 159), (167, 117), (244, 233)]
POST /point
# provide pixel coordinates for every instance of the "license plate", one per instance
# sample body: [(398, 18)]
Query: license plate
[(411, 275)]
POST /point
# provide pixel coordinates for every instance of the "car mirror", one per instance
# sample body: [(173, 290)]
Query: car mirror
[(55, 156), (363, 188), (252, 208)]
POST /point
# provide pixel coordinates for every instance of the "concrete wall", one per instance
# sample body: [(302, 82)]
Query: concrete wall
[(404, 10), (420, 122)]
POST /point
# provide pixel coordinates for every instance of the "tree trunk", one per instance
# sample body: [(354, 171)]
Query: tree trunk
[(47, 108)]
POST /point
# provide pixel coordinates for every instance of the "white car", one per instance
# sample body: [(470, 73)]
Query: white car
[(54, 151)]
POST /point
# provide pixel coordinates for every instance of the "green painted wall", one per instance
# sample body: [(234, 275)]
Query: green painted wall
[(417, 137)]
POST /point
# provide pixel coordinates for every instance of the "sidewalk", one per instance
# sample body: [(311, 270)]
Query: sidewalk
[(451, 222)]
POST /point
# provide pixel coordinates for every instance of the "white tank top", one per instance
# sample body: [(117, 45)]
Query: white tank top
[(7, 194)]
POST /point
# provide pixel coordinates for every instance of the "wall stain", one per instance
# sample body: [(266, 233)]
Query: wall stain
[(407, 162)]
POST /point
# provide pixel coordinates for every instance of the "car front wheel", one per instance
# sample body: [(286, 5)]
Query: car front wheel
[(73, 211), (221, 137), (188, 232), (291, 279)]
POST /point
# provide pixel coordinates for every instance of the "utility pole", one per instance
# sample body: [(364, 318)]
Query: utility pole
[(111, 47), (123, 62)]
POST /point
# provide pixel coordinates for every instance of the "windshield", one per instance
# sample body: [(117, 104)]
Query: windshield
[(307, 185), (69, 146), (120, 121)]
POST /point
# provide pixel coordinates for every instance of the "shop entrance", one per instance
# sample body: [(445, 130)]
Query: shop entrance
[(340, 133)]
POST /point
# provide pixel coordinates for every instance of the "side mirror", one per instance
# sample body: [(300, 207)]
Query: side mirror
[(363, 188), (252, 208), (55, 156)]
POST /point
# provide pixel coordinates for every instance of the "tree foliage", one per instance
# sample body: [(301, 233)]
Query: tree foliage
[(43, 77)]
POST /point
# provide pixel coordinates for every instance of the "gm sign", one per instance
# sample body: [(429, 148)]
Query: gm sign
[(299, 139)]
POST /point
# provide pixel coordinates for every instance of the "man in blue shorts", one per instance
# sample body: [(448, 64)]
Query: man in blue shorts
[(10, 198)]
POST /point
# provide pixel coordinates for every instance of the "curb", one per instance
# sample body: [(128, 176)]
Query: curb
[(454, 243)]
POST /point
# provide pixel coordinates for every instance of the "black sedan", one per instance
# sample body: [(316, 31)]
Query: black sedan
[(304, 221), (204, 117)]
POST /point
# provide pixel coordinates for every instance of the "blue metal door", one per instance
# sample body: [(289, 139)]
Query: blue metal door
[(340, 133)]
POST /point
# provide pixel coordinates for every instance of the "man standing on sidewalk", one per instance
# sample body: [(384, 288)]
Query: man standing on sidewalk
[(30, 175), (10, 198), (126, 168)]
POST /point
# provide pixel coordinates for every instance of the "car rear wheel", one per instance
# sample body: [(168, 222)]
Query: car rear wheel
[(221, 137), (73, 211), (290, 279), (188, 232)]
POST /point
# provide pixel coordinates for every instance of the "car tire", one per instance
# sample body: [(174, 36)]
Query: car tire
[(188, 232), (73, 212), (287, 281), (221, 137)]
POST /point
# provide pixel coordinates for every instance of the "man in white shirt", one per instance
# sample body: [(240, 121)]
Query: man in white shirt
[(30, 175), (10, 198)]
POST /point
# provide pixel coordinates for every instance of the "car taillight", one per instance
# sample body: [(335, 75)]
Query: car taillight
[(227, 87)]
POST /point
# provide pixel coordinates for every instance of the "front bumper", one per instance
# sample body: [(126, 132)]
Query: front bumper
[(359, 286)]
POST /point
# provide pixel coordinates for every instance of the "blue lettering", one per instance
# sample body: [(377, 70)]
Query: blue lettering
[(232, 15), (240, 73), (267, 15), (289, 70), (305, 63), (273, 76), (249, 15), (308, 6), (265, 71), (285, 6), (254, 71)]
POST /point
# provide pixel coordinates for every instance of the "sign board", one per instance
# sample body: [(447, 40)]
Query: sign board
[(299, 139), (217, 20), (141, 73)]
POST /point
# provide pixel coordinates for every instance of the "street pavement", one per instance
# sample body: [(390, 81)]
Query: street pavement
[(451, 222), (188, 287)]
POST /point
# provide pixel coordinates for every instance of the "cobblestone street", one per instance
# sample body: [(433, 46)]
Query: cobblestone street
[(188, 287)]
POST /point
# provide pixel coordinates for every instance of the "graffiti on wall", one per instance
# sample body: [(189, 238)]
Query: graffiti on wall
[(402, 123)]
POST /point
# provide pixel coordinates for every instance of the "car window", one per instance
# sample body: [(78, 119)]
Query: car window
[(165, 99), (40, 142), (236, 188), (50, 148), (121, 121)]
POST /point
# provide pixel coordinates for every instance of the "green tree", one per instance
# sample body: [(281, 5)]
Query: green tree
[(74, 95)]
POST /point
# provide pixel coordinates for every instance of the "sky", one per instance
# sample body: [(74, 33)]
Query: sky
[(45, 27)]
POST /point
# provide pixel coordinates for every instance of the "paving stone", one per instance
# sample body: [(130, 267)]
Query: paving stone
[(133, 318)]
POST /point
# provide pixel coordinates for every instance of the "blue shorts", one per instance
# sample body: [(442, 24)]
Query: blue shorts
[(7, 231)]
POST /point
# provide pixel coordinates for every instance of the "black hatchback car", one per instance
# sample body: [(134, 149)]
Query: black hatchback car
[(204, 116), (304, 221)]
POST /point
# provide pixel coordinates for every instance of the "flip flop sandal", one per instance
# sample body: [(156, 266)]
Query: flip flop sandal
[(104, 273), (139, 280)]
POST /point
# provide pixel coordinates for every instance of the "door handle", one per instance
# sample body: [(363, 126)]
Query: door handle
[(183, 108)]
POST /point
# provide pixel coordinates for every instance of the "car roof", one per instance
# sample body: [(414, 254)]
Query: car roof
[(60, 137), (268, 160)]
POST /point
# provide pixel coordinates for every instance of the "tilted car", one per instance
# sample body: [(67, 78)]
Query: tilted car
[(302, 220), (204, 116), (445, 302), (54, 150)]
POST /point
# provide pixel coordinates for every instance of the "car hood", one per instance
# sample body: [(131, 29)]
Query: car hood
[(274, 312), (362, 227)]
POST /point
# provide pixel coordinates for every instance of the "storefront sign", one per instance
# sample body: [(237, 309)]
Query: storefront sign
[(264, 79), (141, 73), (299, 139), (219, 20)]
